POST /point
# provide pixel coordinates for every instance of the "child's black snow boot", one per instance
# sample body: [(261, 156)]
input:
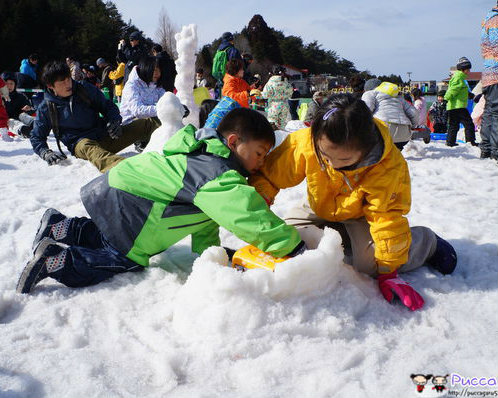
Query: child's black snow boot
[(444, 258), (54, 225), (49, 258)]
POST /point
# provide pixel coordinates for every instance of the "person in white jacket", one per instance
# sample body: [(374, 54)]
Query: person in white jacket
[(399, 115), (141, 93)]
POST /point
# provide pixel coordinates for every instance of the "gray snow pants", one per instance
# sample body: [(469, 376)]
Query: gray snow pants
[(357, 241)]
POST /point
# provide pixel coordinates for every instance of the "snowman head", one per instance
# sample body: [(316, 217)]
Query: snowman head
[(169, 109)]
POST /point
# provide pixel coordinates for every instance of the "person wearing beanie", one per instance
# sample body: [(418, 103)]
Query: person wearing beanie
[(457, 97), (371, 84), (489, 51), (105, 79), (314, 105), (227, 47), (132, 53)]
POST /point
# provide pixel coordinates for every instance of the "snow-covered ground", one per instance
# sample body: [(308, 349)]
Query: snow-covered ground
[(191, 327)]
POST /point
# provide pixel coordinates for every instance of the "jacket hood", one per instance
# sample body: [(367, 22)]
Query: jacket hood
[(491, 14), (388, 88), (188, 140), (224, 44)]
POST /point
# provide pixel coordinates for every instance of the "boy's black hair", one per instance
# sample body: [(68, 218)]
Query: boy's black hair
[(199, 70), (205, 109), (345, 121), (33, 57), (249, 125), (55, 71), (145, 68)]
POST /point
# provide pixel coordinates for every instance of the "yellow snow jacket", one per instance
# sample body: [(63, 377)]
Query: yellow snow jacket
[(380, 192)]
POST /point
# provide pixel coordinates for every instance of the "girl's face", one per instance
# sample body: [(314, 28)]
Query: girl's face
[(240, 73), (156, 75), (337, 156)]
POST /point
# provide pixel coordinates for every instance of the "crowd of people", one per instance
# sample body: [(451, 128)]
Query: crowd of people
[(223, 173)]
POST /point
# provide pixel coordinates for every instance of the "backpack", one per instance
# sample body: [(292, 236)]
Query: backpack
[(219, 63)]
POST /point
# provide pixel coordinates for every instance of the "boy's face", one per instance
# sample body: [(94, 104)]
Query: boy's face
[(440, 98), (250, 153), (62, 88)]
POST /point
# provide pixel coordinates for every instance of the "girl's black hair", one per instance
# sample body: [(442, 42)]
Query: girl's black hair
[(205, 109), (345, 121), (145, 69)]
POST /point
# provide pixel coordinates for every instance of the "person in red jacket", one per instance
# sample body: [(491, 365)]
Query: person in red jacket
[(4, 117), (234, 86)]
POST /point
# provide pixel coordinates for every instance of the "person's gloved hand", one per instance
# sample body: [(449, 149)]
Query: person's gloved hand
[(390, 284), (114, 129), (51, 157)]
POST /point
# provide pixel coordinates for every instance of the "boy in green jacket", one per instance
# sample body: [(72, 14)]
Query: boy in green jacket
[(457, 97), (149, 202)]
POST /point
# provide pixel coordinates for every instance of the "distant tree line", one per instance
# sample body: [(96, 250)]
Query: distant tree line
[(54, 29)]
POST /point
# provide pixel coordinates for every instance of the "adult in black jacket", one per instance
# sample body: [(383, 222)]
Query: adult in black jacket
[(71, 109), (19, 107), (131, 54)]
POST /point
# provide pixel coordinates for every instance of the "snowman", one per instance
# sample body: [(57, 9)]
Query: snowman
[(170, 112)]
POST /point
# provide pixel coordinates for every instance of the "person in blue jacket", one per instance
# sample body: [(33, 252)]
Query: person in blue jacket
[(28, 69), (71, 109)]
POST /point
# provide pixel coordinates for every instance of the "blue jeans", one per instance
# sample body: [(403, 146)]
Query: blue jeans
[(90, 257)]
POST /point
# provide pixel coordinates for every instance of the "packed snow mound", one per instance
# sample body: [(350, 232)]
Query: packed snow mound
[(170, 112)]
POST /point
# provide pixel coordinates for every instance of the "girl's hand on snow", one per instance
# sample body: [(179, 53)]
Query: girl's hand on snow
[(390, 284)]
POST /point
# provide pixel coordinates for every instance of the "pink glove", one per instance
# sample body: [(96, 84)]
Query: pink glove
[(389, 283)]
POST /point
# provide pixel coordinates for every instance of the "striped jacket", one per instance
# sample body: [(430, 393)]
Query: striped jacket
[(489, 48)]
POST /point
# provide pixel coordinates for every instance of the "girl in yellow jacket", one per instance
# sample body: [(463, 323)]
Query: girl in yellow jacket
[(358, 183)]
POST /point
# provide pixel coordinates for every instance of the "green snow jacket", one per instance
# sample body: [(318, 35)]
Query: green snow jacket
[(149, 202), (458, 91)]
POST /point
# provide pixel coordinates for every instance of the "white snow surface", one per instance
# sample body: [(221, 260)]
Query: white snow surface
[(192, 327)]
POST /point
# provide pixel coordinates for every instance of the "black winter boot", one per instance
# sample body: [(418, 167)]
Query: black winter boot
[(444, 258), (49, 257)]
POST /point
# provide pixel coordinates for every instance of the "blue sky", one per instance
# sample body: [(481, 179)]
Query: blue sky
[(424, 37)]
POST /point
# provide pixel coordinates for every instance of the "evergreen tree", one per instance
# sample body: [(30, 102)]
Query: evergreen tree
[(264, 44)]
